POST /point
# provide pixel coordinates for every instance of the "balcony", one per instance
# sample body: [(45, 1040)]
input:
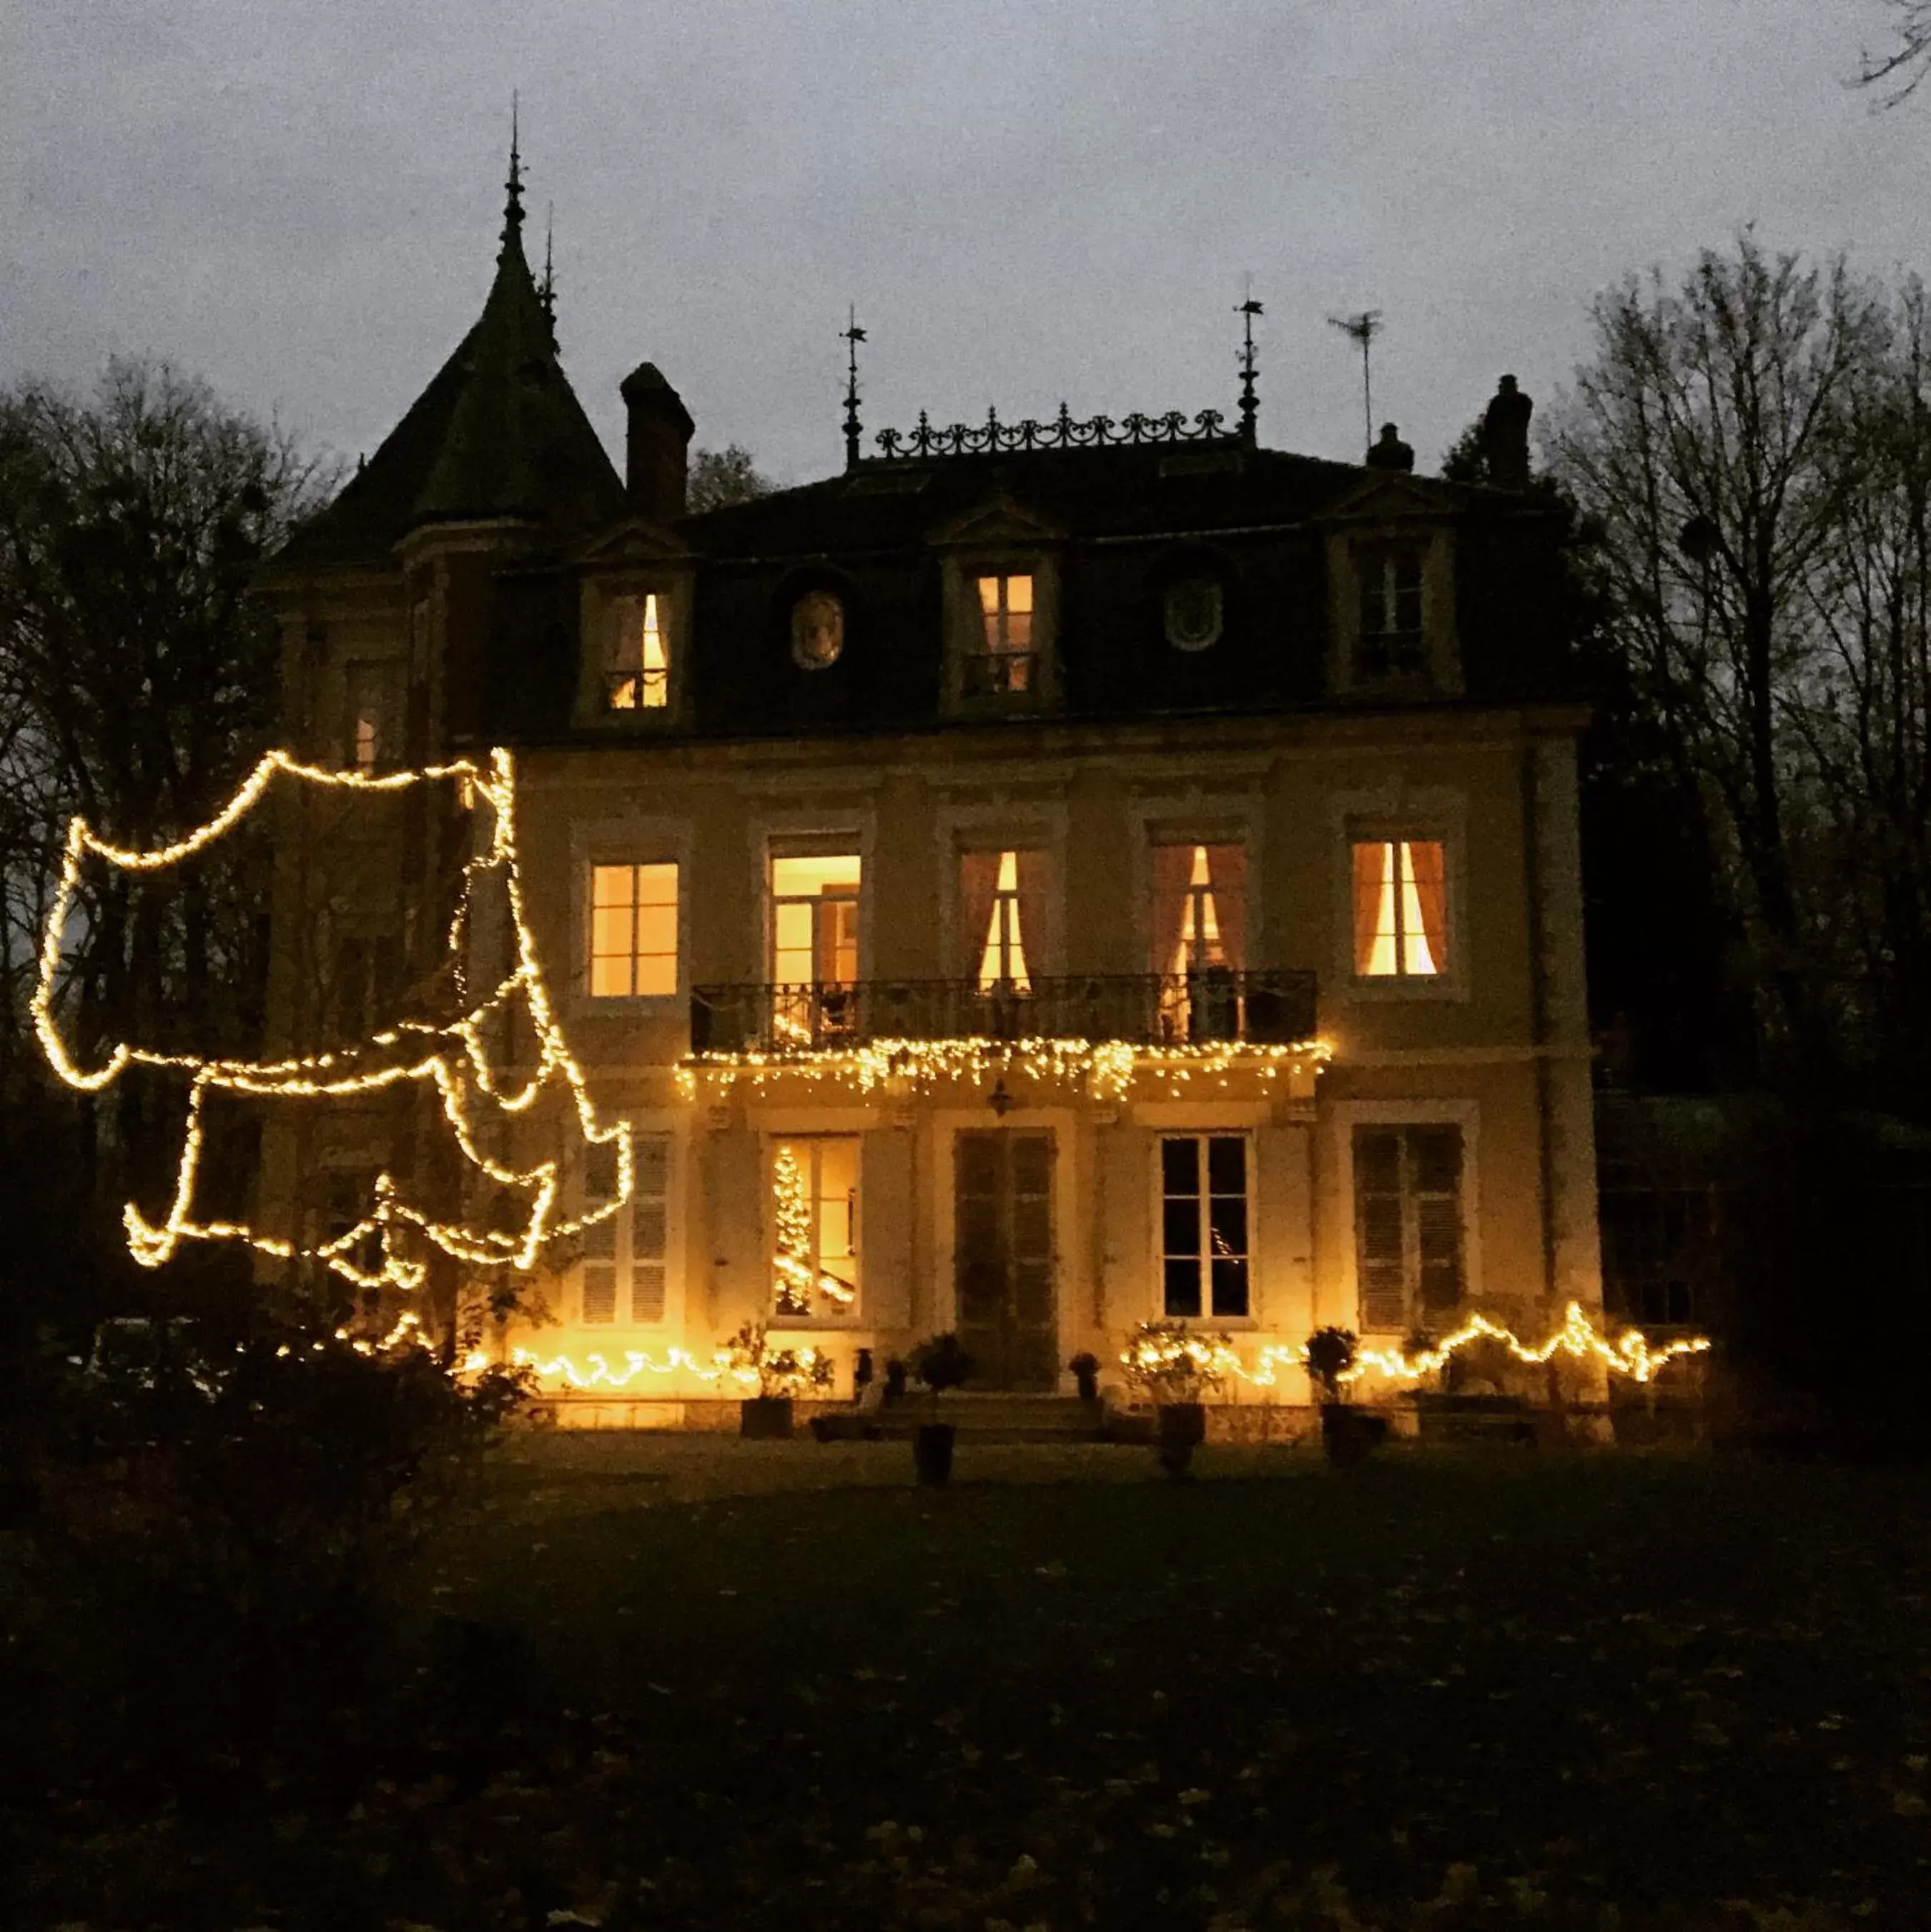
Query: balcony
[(1143, 1009)]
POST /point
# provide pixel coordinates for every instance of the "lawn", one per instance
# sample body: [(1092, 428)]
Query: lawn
[(679, 1688)]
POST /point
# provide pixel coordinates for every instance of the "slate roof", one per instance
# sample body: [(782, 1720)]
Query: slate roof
[(498, 433), (1146, 490)]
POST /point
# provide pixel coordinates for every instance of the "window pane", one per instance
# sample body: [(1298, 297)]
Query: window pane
[(1018, 631), (657, 928), (610, 885), (1226, 1225), (1180, 1165), (656, 975), (1230, 1285), (1226, 1165), (1182, 1285), (1180, 1226), (657, 885), (611, 978), (610, 930), (1019, 594), (989, 595)]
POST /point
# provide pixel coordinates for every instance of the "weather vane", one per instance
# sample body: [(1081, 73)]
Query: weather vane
[(851, 335), (1250, 407), (1363, 328)]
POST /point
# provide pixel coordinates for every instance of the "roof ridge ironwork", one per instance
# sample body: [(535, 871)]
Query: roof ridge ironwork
[(1062, 432)]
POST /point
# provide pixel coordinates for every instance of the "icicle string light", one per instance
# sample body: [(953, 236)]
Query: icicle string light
[(453, 1057), (1106, 1068)]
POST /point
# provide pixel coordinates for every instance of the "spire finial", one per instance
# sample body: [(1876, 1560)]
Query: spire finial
[(1250, 406), (546, 293), (852, 335), (512, 206)]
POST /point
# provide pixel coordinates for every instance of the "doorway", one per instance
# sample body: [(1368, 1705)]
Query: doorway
[(1002, 1207)]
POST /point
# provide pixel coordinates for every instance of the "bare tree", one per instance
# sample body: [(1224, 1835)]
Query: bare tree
[(1753, 448), (138, 682), (721, 477), (1899, 73)]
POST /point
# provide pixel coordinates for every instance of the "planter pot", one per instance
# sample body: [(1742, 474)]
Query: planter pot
[(932, 1454), (765, 1418), (1087, 1384), (1348, 1433), (1179, 1429)]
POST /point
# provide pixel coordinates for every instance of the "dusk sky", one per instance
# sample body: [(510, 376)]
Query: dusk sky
[(1027, 203)]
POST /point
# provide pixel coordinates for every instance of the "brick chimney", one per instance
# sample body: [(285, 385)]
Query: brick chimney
[(657, 440), (1505, 437)]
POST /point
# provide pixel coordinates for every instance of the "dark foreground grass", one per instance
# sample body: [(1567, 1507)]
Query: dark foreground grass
[(1606, 1692)]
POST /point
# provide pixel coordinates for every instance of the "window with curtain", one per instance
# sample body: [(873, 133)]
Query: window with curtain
[(637, 674), (1408, 1238), (374, 739), (633, 951), (814, 926), (1001, 918), (1000, 660), (1400, 908), (1199, 931)]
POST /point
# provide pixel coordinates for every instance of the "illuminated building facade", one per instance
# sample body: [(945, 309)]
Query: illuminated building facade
[(1035, 880)]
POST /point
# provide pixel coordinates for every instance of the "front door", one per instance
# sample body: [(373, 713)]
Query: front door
[(1002, 1205)]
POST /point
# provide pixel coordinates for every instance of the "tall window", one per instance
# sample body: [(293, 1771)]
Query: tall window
[(1400, 908), (1390, 642), (633, 931), (1003, 660), (625, 1254), (998, 894), (814, 946), (1407, 1207), (814, 1226), (1204, 1255), (1199, 937), (637, 674)]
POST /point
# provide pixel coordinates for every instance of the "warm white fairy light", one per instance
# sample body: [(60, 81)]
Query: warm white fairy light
[(452, 1060), (1159, 1352), (1106, 1068)]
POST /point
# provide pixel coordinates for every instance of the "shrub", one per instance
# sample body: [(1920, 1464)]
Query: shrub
[(1166, 1362), (940, 1364), (1328, 1355)]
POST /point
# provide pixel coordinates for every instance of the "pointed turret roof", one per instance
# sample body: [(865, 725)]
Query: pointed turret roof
[(498, 433)]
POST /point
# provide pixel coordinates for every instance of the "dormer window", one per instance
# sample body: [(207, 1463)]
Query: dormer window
[(637, 672), (1390, 641), (1002, 660)]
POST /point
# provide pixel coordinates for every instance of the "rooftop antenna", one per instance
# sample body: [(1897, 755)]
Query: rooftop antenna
[(851, 335), (1250, 407), (546, 293), (1363, 328)]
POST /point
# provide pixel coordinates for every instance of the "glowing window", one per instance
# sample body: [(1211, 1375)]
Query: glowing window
[(372, 723), (633, 931), (1400, 908), (1203, 1209), (638, 674), (815, 920), (1003, 661), (1002, 961), (814, 1226), (818, 630)]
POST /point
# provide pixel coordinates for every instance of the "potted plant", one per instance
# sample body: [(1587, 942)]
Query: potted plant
[(1085, 1368), (939, 1364), (1175, 1369), (1348, 1431), (782, 1374)]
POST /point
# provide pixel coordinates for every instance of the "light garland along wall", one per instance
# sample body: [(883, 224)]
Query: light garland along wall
[(450, 1061)]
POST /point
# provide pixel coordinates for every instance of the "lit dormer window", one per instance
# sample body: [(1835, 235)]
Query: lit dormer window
[(638, 673), (1002, 659)]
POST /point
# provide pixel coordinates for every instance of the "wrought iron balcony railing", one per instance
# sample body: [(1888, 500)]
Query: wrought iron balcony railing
[(1144, 1009)]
